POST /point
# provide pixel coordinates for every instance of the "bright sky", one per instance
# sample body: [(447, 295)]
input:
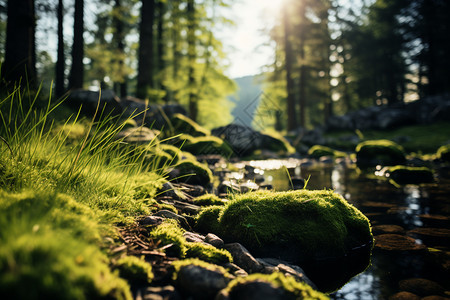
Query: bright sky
[(244, 42)]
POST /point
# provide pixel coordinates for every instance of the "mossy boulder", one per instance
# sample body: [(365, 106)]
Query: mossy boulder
[(410, 175), (318, 151), (193, 172), (295, 225), (443, 153), (208, 219), (206, 145), (273, 286), (175, 152), (379, 152), (134, 270), (208, 200), (183, 124), (277, 143)]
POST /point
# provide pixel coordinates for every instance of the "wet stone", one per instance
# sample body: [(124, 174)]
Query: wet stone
[(193, 237), (151, 220), (396, 242), (171, 215), (422, 287), (434, 236), (381, 229), (243, 258), (160, 293), (214, 240), (404, 296)]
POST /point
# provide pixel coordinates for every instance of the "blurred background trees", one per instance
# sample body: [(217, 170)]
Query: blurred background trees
[(330, 56)]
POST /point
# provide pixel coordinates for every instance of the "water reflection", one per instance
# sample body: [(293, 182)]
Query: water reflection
[(417, 213)]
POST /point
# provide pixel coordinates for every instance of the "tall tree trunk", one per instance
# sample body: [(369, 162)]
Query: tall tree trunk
[(60, 63), (193, 99), (302, 84), (176, 49), (77, 72), (289, 61), (20, 48), (160, 48), (146, 59), (119, 36)]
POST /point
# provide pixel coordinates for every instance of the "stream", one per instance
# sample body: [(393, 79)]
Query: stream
[(417, 213)]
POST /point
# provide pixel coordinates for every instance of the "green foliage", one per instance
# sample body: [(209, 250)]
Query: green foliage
[(293, 289), (379, 152), (208, 200), (318, 151), (64, 185), (444, 153), (316, 223), (208, 253), (135, 270)]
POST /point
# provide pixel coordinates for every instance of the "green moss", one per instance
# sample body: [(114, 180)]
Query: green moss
[(206, 145), (443, 153), (169, 233), (207, 200), (274, 141), (208, 219), (134, 270), (311, 224), (183, 124), (194, 172), (379, 152), (318, 151), (145, 185), (175, 152), (294, 289), (48, 246), (410, 175), (200, 263), (208, 253), (157, 158)]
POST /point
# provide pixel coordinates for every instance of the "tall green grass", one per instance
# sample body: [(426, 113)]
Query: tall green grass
[(64, 186)]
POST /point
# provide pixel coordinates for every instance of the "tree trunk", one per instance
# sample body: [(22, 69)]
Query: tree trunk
[(60, 63), (302, 84), (160, 48), (77, 72), (145, 64), (20, 47), (119, 35), (289, 61), (193, 101)]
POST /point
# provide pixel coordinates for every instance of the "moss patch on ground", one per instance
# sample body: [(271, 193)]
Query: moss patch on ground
[(443, 153), (317, 224), (193, 172), (208, 200)]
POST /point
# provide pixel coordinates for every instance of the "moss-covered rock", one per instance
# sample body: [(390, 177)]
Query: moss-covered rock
[(443, 153), (183, 124), (410, 175), (275, 142), (156, 158), (318, 151), (175, 152), (197, 279), (208, 219), (299, 225), (273, 286), (206, 145), (208, 200), (208, 253), (134, 270), (379, 152), (193, 172)]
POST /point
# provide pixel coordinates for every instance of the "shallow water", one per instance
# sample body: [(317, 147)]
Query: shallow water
[(411, 208)]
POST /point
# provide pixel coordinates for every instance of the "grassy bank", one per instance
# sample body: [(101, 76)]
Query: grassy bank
[(64, 187)]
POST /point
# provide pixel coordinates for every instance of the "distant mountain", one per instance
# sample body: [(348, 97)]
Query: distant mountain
[(246, 99)]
